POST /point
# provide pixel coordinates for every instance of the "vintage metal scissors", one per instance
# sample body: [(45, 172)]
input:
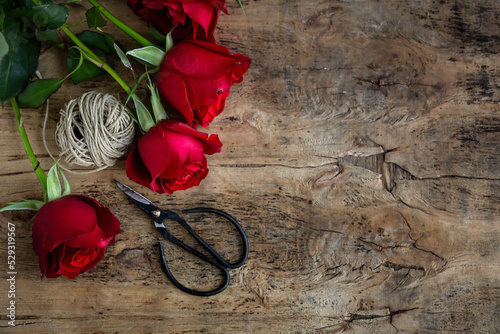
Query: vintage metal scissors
[(159, 216)]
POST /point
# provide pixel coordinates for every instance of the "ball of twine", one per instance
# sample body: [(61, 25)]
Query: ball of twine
[(93, 131)]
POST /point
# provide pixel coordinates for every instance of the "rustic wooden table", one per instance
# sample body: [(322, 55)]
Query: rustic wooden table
[(361, 155)]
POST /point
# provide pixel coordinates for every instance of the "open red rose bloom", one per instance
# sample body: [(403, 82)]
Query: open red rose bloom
[(192, 18), (70, 235), (196, 77), (171, 156)]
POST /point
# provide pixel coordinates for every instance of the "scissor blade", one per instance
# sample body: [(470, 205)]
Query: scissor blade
[(133, 194)]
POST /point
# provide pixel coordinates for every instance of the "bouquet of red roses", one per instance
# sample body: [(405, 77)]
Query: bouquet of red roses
[(185, 68)]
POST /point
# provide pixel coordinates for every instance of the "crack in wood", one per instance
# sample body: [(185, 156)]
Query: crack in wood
[(380, 247), (409, 245), (274, 165), (325, 230), (398, 267), (376, 163), (430, 252), (350, 317), (392, 172)]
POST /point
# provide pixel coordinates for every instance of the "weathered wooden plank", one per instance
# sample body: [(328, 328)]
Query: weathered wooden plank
[(360, 154)]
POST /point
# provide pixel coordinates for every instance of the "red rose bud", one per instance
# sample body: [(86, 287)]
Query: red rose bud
[(195, 78), (171, 156), (197, 18), (70, 235)]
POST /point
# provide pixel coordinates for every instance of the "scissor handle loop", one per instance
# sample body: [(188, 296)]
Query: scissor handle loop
[(188, 290), (210, 249), (219, 262)]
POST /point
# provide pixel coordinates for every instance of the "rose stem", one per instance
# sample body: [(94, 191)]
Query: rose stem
[(129, 31), (27, 147), (105, 66)]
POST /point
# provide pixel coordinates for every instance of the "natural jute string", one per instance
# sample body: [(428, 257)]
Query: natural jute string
[(93, 131)]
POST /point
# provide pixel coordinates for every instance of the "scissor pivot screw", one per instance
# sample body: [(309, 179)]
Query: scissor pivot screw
[(156, 213)]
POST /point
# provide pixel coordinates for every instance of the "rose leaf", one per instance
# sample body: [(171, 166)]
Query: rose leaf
[(87, 69), (21, 61), (24, 205), (152, 55), (37, 92), (94, 18), (48, 16), (53, 184), (4, 46)]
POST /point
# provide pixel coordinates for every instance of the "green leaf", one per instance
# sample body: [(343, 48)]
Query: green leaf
[(78, 65), (158, 109), (100, 44), (4, 46), (97, 41), (2, 18), (157, 36), (87, 70), (48, 16), (21, 61), (241, 6), (24, 205), (169, 41), (94, 18), (150, 54), (7, 5), (110, 42), (67, 188), (48, 35), (53, 184), (122, 56), (37, 92), (143, 115), (28, 3)]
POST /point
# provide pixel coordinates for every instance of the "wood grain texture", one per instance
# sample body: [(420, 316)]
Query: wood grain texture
[(361, 155)]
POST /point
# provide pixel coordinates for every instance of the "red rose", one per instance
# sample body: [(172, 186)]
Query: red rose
[(171, 156), (196, 17), (195, 78), (70, 234)]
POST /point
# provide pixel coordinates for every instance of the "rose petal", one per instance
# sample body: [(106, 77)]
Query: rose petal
[(172, 88), (211, 144), (220, 4), (99, 255), (65, 266), (182, 128), (215, 108), (202, 92), (190, 177), (184, 150), (51, 226), (176, 12), (155, 151), (77, 261), (50, 264), (136, 170), (153, 4), (97, 238), (106, 220), (200, 59), (204, 13)]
